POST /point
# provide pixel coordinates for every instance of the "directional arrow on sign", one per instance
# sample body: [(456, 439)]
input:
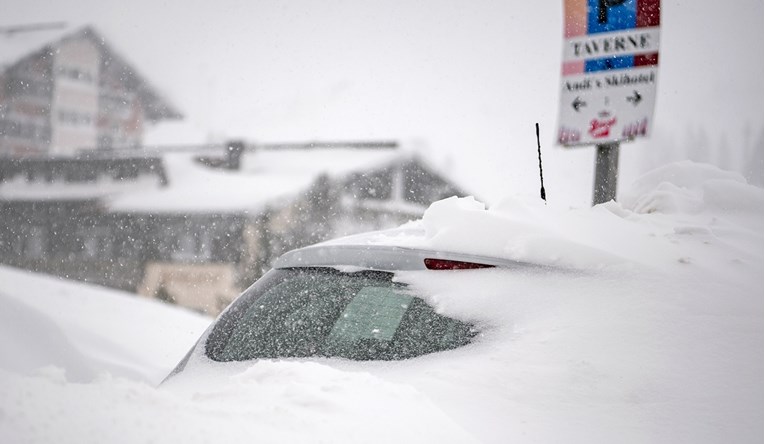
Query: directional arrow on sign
[(635, 98), (578, 103)]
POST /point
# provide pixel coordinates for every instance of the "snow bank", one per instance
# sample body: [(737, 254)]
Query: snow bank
[(30, 341), (644, 325), (79, 364), (688, 187), (612, 355), (270, 402), (87, 330)]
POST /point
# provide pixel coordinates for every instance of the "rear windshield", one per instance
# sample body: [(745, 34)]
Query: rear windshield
[(323, 312)]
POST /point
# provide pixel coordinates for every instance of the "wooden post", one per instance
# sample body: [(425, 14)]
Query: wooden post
[(606, 173)]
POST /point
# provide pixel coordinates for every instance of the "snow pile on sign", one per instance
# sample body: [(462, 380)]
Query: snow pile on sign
[(641, 322)]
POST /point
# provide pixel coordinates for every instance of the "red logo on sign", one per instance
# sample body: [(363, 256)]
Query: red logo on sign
[(600, 128)]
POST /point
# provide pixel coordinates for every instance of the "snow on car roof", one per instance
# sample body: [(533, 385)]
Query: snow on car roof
[(610, 234)]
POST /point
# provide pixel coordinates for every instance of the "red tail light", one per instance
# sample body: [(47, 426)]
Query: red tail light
[(444, 264)]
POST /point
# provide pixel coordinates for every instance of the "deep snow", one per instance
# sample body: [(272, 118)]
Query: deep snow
[(87, 330), (642, 323)]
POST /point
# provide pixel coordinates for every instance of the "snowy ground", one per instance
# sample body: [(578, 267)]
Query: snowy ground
[(643, 325), (87, 330)]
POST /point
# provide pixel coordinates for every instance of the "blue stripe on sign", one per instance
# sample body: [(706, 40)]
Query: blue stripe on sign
[(611, 15), (609, 63)]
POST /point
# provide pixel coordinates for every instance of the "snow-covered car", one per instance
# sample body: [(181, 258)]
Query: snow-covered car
[(342, 300), (631, 322)]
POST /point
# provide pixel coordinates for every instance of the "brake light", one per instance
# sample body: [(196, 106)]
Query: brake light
[(445, 264)]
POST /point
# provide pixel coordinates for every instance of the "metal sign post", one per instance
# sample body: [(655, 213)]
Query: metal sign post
[(608, 82), (606, 172)]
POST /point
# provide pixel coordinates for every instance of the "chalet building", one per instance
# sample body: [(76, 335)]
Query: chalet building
[(70, 93), (198, 226)]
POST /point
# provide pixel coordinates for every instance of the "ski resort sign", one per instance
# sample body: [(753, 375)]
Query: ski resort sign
[(609, 72)]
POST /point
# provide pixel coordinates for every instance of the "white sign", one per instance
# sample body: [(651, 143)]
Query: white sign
[(609, 71)]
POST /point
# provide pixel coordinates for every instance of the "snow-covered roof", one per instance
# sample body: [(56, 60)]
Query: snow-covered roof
[(266, 178), (333, 162), (14, 47), (20, 189)]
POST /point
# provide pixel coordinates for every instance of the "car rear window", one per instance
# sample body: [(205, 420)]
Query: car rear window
[(307, 312)]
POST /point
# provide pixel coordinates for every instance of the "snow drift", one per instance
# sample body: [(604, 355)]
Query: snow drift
[(642, 323)]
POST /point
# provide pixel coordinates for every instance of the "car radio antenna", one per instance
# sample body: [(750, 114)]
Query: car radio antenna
[(541, 179)]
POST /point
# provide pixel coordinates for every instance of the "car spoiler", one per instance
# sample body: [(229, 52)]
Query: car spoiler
[(388, 258)]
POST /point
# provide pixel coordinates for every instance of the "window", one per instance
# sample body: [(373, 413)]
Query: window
[(97, 243), (24, 129), (74, 118), (323, 312), (376, 185), (31, 242), (77, 74), (191, 246)]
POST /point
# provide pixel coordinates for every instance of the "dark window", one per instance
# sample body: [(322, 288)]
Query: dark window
[(422, 187), (97, 242), (377, 185), (31, 242), (323, 312)]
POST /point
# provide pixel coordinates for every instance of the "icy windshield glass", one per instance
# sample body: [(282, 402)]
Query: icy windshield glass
[(324, 312)]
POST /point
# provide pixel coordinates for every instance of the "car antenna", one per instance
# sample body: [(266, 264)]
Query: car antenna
[(541, 179)]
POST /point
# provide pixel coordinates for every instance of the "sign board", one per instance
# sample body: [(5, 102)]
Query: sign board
[(609, 72)]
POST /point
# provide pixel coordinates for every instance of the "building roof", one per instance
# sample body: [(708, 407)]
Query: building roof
[(180, 184), (266, 178), (17, 46)]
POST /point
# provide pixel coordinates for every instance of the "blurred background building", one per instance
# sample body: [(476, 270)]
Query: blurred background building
[(199, 224), (82, 197), (72, 93)]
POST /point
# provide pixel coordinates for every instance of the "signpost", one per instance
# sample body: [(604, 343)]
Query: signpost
[(608, 82)]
